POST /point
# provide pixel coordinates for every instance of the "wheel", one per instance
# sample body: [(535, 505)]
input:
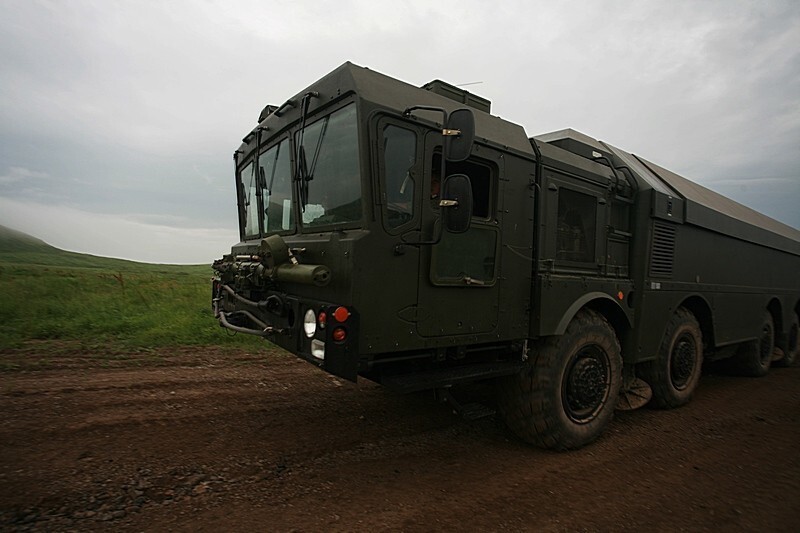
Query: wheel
[(675, 372), (790, 353), (753, 358), (566, 396)]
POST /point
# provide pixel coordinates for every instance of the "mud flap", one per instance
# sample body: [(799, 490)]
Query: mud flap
[(634, 394)]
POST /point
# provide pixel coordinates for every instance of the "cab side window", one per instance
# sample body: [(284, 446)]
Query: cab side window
[(575, 233), (250, 200), (479, 175), (469, 258), (399, 156)]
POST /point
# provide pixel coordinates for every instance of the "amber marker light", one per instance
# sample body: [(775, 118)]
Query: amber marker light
[(322, 319), (621, 296)]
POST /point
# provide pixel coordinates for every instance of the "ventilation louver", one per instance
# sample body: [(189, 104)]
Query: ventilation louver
[(662, 255)]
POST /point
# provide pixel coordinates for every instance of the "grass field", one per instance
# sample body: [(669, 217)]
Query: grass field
[(51, 296)]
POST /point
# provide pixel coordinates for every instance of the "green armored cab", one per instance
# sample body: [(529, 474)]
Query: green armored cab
[(407, 236)]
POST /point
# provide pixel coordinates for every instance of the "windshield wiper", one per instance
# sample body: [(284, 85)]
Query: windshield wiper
[(257, 178), (310, 175), (305, 171), (274, 169), (301, 175)]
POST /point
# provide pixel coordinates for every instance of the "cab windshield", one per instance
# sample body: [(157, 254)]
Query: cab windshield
[(322, 184), (267, 192), (329, 177), (276, 184)]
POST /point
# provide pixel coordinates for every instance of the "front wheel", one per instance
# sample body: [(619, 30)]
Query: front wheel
[(566, 396)]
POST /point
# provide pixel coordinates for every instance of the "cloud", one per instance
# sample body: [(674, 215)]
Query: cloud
[(20, 174), (134, 109), (136, 75)]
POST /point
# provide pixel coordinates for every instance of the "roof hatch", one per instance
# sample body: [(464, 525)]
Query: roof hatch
[(459, 95)]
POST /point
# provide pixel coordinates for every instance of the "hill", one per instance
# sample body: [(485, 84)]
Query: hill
[(17, 247), (13, 241)]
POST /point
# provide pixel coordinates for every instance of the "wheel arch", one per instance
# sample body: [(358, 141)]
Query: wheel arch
[(775, 309), (701, 310), (603, 304)]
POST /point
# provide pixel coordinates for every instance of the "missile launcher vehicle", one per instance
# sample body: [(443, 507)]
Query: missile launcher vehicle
[(406, 235)]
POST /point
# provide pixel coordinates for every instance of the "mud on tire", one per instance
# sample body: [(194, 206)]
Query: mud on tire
[(790, 353), (566, 396), (753, 358), (675, 372)]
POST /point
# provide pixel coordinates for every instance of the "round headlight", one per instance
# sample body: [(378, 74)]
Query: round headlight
[(310, 323)]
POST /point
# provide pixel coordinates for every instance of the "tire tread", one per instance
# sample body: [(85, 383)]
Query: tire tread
[(527, 399)]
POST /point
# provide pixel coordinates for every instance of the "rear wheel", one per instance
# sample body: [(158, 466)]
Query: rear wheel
[(790, 353), (675, 372), (566, 396), (754, 358)]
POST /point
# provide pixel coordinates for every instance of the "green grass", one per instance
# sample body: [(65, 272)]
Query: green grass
[(52, 295)]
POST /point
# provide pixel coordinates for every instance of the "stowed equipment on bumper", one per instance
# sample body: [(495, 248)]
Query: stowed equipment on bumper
[(247, 298)]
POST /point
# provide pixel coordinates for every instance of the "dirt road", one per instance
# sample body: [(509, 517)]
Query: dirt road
[(205, 441)]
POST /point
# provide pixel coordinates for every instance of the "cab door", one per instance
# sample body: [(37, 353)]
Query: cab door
[(458, 276)]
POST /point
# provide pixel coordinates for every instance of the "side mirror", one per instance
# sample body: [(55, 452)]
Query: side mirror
[(456, 203), (459, 135)]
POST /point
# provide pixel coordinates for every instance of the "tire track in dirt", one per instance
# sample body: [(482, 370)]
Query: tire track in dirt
[(247, 444)]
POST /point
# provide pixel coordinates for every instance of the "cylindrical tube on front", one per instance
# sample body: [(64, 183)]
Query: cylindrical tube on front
[(318, 275)]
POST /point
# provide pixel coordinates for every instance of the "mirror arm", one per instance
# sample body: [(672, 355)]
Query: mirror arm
[(407, 112), (446, 132)]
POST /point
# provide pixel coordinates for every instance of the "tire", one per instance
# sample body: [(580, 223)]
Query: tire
[(753, 358), (790, 353), (675, 372), (566, 396)]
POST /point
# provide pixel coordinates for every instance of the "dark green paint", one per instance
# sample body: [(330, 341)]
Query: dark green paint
[(554, 229)]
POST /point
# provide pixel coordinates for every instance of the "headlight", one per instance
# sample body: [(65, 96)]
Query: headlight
[(310, 323), (318, 349)]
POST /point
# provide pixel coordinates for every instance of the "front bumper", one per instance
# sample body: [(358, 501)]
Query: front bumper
[(279, 317)]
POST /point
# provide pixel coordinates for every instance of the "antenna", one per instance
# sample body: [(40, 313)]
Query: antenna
[(470, 83)]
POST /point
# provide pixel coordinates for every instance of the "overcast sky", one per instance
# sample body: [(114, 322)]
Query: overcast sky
[(119, 119)]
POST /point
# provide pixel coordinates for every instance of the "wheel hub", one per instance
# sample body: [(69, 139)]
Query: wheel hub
[(586, 384), (765, 347), (683, 361)]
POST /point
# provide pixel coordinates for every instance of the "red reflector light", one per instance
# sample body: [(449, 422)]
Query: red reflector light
[(322, 319), (341, 314), (339, 334)]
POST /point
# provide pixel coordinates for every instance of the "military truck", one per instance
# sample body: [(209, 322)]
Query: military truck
[(406, 235)]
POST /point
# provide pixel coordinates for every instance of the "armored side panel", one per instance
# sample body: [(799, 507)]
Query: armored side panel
[(693, 247), (580, 260), (740, 261)]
